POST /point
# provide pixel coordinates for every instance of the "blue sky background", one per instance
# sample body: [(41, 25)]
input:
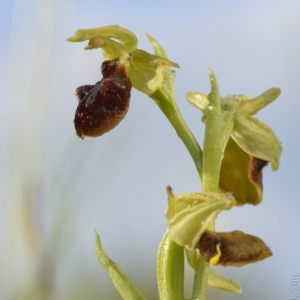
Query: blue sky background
[(55, 189)]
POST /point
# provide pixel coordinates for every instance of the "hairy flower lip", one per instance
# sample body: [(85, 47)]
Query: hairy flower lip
[(102, 106), (237, 248)]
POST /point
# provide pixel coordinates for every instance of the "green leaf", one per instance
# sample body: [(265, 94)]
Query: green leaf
[(219, 282), (123, 284), (170, 270), (257, 139), (186, 227)]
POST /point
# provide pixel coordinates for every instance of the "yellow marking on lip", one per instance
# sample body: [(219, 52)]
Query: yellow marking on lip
[(215, 259)]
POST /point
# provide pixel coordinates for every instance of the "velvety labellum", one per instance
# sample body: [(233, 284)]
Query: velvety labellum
[(102, 106), (232, 248)]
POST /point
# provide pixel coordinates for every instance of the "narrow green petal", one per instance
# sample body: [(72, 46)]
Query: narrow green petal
[(144, 57), (219, 282), (148, 72), (170, 269), (146, 78), (110, 49), (229, 106), (123, 284), (188, 225), (168, 85), (199, 100), (125, 36), (257, 139), (192, 256), (252, 106), (158, 49)]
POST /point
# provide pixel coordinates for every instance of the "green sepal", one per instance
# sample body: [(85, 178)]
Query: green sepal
[(252, 106), (168, 84), (125, 36), (122, 283), (219, 282), (186, 227), (214, 280), (247, 143), (256, 139), (241, 174), (147, 71), (170, 269)]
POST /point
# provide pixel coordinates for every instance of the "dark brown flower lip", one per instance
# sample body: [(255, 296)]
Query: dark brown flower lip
[(102, 106), (235, 248)]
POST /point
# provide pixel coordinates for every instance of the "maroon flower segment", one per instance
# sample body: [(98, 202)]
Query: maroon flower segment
[(102, 106), (237, 248), (255, 170)]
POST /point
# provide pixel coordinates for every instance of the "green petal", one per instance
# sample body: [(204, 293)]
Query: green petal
[(110, 49), (241, 174), (148, 72), (192, 256), (145, 77), (141, 56), (219, 282), (186, 227), (168, 85), (229, 106), (237, 248), (199, 100), (257, 139), (252, 106), (170, 269), (125, 36), (123, 284)]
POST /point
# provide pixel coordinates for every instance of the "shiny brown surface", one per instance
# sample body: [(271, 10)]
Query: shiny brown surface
[(102, 106)]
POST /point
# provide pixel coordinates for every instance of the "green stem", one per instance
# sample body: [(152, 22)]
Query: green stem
[(200, 279), (212, 157), (212, 146), (170, 269), (173, 114)]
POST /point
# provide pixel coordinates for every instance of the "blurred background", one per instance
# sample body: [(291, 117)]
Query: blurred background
[(55, 189)]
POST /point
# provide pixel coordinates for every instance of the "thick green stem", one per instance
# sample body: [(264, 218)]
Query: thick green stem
[(200, 279), (212, 146), (173, 114), (212, 157), (170, 269)]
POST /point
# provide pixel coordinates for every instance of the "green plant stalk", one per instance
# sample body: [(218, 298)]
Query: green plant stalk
[(212, 146), (171, 111), (170, 269), (200, 279), (212, 157), (170, 262)]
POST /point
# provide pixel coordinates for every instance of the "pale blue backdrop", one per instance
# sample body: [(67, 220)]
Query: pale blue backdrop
[(55, 189)]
